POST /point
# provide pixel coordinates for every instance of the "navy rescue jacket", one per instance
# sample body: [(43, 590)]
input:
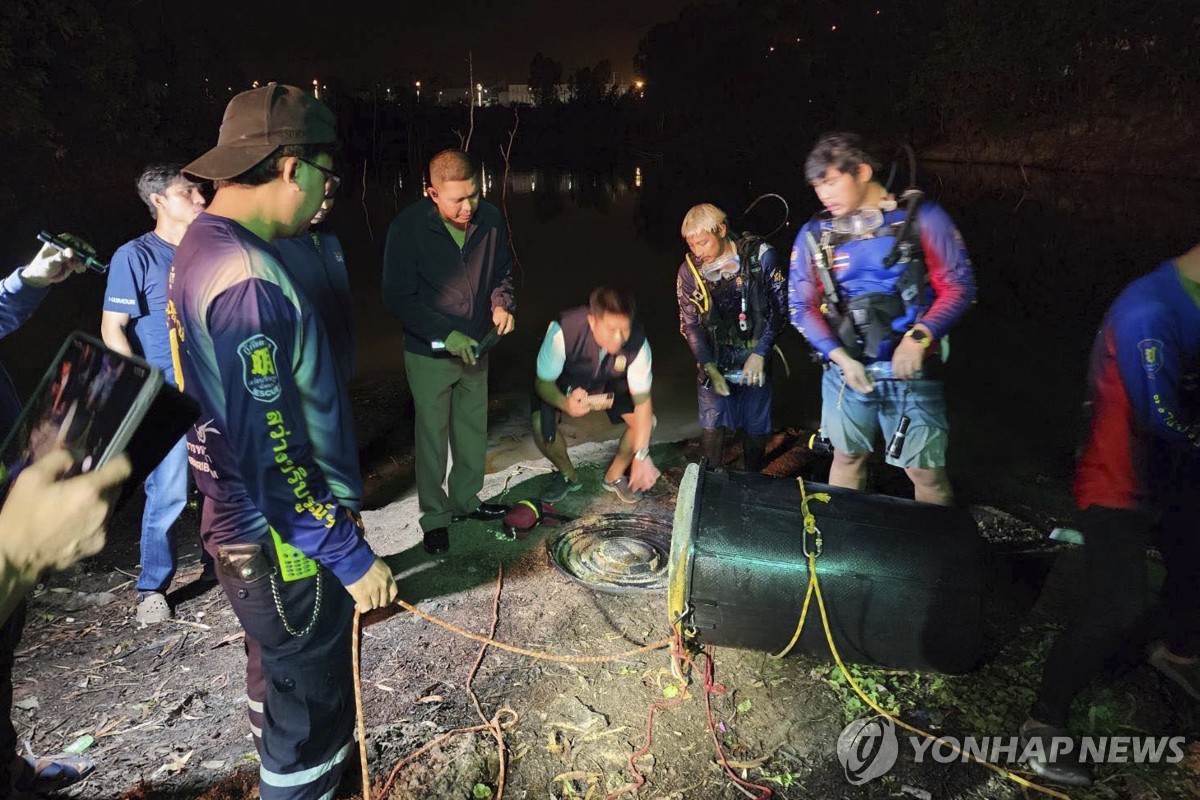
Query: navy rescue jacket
[(587, 365)]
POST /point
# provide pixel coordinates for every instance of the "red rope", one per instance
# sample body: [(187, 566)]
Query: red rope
[(710, 688), (640, 779)]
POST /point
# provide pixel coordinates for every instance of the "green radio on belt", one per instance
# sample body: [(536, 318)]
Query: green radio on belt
[(293, 564)]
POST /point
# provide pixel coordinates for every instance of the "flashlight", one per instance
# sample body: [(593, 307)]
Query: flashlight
[(896, 444)]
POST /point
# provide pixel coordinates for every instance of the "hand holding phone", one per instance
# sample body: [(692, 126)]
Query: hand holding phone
[(600, 402), (92, 403), (49, 521)]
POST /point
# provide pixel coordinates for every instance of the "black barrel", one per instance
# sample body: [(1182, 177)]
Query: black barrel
[(902, 580)]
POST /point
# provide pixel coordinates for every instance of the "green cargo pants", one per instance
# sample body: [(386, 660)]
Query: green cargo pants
[(451, 413)]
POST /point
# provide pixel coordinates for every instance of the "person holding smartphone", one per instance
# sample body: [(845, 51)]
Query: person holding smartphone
[(447, 276), (596, 357), (30, 535)]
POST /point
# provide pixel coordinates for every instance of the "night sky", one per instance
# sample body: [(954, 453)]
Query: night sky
[(352, 39)]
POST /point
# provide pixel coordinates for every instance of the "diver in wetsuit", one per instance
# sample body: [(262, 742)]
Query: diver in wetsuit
[(875, 286), (732, 298)]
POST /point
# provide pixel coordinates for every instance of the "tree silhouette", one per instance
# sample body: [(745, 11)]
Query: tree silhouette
[(545, 74)]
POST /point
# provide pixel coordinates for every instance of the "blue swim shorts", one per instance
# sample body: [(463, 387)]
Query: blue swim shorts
[(748, 408)]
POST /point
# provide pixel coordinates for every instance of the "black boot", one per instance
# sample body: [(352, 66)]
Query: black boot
[(712, 446), (754, 451)]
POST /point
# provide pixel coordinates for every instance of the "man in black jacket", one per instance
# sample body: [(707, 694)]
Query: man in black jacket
[(447, 277)]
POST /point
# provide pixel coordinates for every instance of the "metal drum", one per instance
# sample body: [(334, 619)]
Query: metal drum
[(902, 581)]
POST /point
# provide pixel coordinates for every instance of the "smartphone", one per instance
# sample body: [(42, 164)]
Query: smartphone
[(487, 343), (92, 401), (600, 402), (60, 245)]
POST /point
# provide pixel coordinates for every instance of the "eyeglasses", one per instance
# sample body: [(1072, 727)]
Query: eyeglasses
[(332, 179)]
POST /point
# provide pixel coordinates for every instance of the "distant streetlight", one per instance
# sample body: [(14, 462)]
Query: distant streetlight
[(316, 89), (418, 91), (479, 93), (639, 85)]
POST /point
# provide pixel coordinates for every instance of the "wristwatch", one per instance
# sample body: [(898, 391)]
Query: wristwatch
[(919, 336), (643, 454)]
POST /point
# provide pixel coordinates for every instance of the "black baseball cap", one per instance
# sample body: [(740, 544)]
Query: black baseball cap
[(257, 123)]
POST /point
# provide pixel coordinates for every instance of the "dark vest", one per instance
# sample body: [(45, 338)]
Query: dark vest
[(587, 366)]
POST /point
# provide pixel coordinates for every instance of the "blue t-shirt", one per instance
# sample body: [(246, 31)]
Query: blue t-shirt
[(137, 286)]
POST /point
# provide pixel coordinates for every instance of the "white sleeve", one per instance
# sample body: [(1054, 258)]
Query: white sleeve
[(639, 374), (553, 354)]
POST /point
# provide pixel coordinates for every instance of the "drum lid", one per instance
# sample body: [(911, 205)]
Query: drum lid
[(617, 553)]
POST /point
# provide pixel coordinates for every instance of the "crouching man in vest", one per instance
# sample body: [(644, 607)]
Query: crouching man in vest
[(875, 285), (732, 304), (596, 358)]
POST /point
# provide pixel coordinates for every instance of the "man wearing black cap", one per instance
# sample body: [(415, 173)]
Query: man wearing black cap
[(447, 276), (274, 453)]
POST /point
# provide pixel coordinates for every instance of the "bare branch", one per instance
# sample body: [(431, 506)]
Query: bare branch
[(506, 152), (364, 201), (466, 145)]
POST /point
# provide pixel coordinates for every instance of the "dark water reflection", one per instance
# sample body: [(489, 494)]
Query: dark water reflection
[(1050, 250)]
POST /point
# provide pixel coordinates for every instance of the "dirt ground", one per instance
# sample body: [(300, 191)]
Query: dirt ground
[(166, 706)]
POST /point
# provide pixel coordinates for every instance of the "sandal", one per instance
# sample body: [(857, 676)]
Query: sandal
[(51, 773), (153, 607)]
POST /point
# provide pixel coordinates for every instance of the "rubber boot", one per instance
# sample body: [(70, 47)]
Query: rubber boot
[(754, 450), (712, 446)]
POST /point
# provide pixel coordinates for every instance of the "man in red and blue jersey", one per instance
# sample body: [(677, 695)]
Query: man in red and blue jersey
[(275, 454), (875, 287), (1137, 484)]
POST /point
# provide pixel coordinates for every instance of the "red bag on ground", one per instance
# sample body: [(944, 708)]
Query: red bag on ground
[(526, 515)]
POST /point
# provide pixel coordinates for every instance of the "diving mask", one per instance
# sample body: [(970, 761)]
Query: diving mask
[(724, 267), (859, 223)]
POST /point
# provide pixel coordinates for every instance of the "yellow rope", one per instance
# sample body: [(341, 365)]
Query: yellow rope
[(814, 587), (661, 643), (810, 529), (359, 717)]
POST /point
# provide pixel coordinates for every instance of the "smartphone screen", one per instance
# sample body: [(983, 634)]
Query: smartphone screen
[(83, 405)]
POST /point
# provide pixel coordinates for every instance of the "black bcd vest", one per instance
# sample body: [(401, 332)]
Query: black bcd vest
[(587, 366)]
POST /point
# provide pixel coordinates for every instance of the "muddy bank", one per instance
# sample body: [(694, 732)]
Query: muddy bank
[(166, 708)]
